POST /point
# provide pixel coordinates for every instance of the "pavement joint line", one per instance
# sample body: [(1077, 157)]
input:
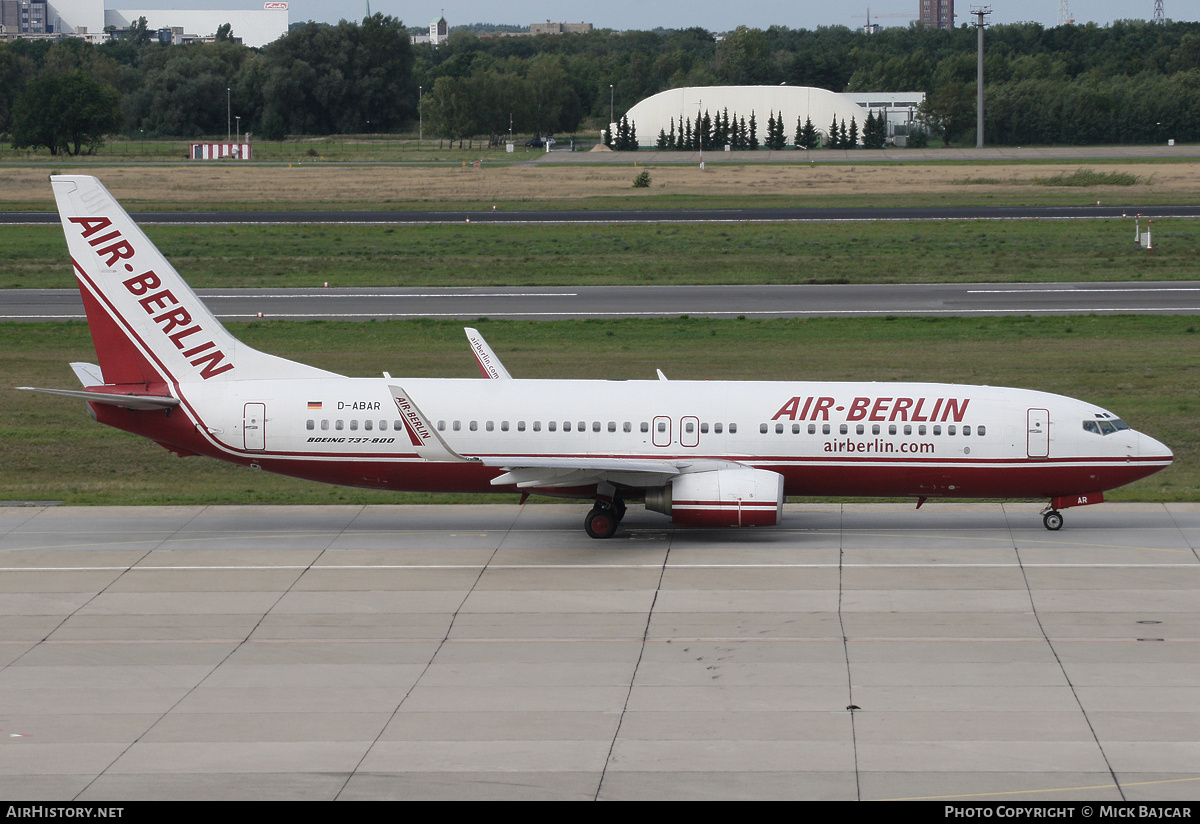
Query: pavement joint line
[(318, 567)]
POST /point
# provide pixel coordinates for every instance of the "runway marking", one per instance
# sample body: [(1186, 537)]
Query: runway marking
[(1086, 291), (1020, 310), (267, 296)]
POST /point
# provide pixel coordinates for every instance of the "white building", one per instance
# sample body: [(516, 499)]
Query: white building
[(256, 26), (791, 103), (900, 108)]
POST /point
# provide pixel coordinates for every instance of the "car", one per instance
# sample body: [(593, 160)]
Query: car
[(540, 142)]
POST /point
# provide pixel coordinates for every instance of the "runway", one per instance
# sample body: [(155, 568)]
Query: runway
[(587, 216), (860, 651), (561, 303)]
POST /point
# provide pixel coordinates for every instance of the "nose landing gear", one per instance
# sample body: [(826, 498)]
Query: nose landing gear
[(1052, 520)]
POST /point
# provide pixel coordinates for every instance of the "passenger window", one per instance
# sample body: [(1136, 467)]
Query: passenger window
[(397, 425), (689, 427), (310, 425), (627, 427), (503, 426), (733, 429), (778, 429), (353, 426), (662, 426), (907, 429), (875, 429), (892, 429), (645, 426), (612, 426), (937, 430), (860, 429), (473, 426), (812, 429), (717, 428), (537, 426), (551, 426), (566, 426), (489, 426), (368, 425), (966, 430), (824, 429), (583, 426), (703, 429), (762, 428), (456, 426), (980, 430), (950, 430), (324, 425), (339, 425), (921, 429), (843, 429), (795, 429), (383, 426)]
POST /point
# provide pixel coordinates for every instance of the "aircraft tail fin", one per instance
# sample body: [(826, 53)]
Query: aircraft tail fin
[(147, 324)]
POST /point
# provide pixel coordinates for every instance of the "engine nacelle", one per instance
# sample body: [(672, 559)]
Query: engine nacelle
[(721, 497)]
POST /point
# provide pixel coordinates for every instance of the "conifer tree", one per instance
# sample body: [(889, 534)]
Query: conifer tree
[(752, 141), (833, 134), (852, 143)]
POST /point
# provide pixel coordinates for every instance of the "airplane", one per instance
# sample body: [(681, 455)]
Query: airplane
[(705, 453)]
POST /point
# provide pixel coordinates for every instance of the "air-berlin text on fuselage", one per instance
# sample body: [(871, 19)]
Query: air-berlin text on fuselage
[(175, 321), (875, 409)]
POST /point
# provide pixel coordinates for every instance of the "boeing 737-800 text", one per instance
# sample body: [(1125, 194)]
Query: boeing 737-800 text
[(706, 453)]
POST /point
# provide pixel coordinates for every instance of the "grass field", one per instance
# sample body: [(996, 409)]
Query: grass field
[(1146, 369), (197, 185), (496, 254)]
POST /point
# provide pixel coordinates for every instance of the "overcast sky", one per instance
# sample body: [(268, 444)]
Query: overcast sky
[(714, 15)]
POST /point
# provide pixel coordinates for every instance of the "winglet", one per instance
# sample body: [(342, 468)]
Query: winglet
[(425, 440), (489, 365), (661, 376)]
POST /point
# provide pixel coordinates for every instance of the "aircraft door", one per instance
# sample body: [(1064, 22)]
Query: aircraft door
[(254, 426), (689, 431), (1039, 433), (661, 429)]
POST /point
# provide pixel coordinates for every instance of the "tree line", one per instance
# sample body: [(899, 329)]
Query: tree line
[(1127, 82)]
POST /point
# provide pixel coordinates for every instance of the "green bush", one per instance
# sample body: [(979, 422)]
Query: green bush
[(642, 181)]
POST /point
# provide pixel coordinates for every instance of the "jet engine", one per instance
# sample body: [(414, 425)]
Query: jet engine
[(721, 497)]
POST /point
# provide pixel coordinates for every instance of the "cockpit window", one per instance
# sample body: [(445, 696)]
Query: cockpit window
[(1105, 427)]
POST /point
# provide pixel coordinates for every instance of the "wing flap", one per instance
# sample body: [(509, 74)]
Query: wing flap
[(529, 472)]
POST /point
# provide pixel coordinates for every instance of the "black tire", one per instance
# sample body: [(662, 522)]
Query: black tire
[(600, 523), (1053, 521)]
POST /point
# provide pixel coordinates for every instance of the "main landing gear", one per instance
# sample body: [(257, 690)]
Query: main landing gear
[(1052, 519), (604, 518)]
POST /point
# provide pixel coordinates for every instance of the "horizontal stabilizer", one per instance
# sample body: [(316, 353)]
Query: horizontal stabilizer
[(126, 401)]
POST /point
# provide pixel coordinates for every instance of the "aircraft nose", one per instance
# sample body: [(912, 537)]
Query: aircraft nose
[(1150, 448)]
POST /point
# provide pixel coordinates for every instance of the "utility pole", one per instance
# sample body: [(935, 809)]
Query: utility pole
[(420, 118), (980, 12), (228, 119)]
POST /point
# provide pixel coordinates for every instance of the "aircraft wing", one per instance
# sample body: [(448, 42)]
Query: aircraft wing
[(527, 472)]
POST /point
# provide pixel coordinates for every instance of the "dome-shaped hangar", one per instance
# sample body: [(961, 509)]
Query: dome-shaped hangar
[(793, 102)]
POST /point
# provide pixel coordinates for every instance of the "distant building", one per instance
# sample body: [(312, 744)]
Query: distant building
[(938, 14), (559, 28), (439, 30), (899, 109), (792, 103), (92, 20)]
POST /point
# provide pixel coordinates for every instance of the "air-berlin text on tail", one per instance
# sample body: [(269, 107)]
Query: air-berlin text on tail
[(875, 409), (174, 320)]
